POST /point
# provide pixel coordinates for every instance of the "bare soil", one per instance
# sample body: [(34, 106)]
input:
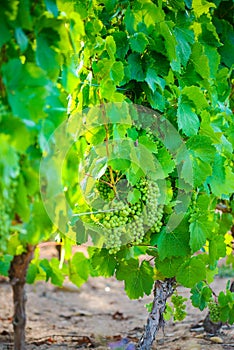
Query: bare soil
[(100, 313)]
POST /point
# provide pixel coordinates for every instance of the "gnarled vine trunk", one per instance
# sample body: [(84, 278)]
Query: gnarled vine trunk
[(17, 275), (155, 321)]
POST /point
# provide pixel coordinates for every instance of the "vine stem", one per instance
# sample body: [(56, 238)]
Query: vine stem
[(108, 155), (212, 291), (17, 275), (103, 181), (162, 291)]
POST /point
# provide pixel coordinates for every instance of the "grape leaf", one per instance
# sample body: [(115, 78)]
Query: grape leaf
[(9, 161), (79, 269), (166, 161), (52, 7), (5, 262), (135, 67), (22, 204), (214, 60), (200, 295), (47, 58), (153, 80), (207, 129), (202, 148), (122, 44), (21, 39), (194, 94), (138, 280), (117, 72), (131, 19), (197, 236), (184, 37), (110, 46), (170, 41), (150, 145), (102, 262), (107, 89), (4, 30), (52, 271), (24, 17), (202, 152), (222, 179), (201, 6), (156, 100), (188, 120), (31, 273), (169, 266), (200, 61), (138, 42), (174, 244), (191, 272), (26, 86), (217, 248)]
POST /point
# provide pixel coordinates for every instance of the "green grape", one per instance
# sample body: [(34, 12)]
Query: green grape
[(104, 187), (105, 191), (150, 195), (125, 222), (214, 310), (179, 307)]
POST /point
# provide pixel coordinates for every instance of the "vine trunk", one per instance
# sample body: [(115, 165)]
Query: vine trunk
[(17, 275), (155, 321)]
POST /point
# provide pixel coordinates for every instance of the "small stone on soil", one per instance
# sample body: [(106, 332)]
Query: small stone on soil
[(217, 340)]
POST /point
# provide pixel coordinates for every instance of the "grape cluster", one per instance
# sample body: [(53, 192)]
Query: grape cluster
[(179, 307), (154, 212), (103, 186), (125, 222), (7, 200), (214, 311)]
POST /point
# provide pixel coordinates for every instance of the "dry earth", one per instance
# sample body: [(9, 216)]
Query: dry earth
[(97, 314)]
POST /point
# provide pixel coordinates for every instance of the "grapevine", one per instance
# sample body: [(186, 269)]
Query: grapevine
[(65, 58)]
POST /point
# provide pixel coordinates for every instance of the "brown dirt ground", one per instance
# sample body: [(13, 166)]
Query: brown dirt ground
[(99, 313)]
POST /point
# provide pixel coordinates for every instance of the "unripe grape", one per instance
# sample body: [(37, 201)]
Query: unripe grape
[(214, 310), (126, 222)]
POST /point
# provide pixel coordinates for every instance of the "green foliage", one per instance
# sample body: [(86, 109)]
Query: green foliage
[(102, 262), (201, 295), (191, 272), (43, 269), (79, 269), (174, 244), (5, 262), (59, 58), (226, 306), (220, 309), (138, 279)]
